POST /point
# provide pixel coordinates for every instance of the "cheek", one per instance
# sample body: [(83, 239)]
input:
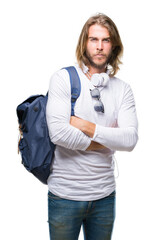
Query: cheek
[(90, 47), (107, 51), (108, 48)]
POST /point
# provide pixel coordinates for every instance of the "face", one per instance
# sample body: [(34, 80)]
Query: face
[(99, 47)]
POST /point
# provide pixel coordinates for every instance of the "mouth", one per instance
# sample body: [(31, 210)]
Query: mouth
[(99, 55)]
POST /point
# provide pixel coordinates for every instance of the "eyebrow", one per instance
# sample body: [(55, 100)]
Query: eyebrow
[(106, 38)]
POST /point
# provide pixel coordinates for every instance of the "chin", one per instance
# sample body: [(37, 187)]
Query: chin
[(100, 62), (99, 65)]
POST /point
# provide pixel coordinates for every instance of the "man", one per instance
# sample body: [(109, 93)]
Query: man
[(81, 184)]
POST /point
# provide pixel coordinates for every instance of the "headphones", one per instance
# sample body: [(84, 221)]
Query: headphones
[(100, 79)]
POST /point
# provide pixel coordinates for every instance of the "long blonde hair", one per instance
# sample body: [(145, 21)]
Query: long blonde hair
[(117, 51)]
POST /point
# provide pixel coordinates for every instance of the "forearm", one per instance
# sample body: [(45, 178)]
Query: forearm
[(88, 129), (67, 137), (117, 139), (122, 139)]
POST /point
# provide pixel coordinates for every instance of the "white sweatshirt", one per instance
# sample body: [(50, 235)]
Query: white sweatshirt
[(77, 174)]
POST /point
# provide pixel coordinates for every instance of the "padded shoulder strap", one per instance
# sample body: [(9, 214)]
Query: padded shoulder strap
[(75, 86)]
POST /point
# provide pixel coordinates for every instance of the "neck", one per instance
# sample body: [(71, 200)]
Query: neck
[(93, 70)]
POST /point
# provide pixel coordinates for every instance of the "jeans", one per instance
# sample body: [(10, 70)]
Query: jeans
[(66, 217)]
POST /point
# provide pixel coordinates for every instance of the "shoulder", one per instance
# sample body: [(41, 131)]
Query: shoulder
[(121, 90), (59, 84), (60, 79), (119, 86), (118, 83), (60, 74)]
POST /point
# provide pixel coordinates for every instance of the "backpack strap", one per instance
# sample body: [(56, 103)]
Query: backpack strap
[(75, 86)]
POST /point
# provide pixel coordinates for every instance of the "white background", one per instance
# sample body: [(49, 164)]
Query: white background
[(39, 37)]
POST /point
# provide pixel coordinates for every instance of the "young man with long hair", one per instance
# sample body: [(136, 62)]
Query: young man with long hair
[(81, 186)]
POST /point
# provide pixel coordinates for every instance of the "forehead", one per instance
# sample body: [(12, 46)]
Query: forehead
[(99, 31)]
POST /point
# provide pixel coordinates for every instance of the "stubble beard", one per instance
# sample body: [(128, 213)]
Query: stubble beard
[(95, 65)]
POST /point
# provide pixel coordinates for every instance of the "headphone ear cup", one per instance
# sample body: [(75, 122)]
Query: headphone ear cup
[(101, 79), (106, 79), (95, 79)]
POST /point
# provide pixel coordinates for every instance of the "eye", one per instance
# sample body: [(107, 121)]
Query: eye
[(106, 40), (93, 39)]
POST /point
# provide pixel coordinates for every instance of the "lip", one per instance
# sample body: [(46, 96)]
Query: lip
[(99, 55)]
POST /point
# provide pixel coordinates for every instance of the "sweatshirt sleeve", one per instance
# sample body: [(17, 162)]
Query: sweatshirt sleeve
[(125, 136), (58, 113)]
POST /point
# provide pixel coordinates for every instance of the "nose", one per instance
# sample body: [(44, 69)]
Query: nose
[(100, 45)]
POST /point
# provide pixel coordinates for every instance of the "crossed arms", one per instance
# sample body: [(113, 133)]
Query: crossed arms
[(78, 134), (87, 128)]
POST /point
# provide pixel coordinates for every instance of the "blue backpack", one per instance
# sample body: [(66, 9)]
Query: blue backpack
[(35, 146)]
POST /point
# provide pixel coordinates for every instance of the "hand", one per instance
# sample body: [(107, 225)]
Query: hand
[(88, 128), (94, 146), (85, 126)]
